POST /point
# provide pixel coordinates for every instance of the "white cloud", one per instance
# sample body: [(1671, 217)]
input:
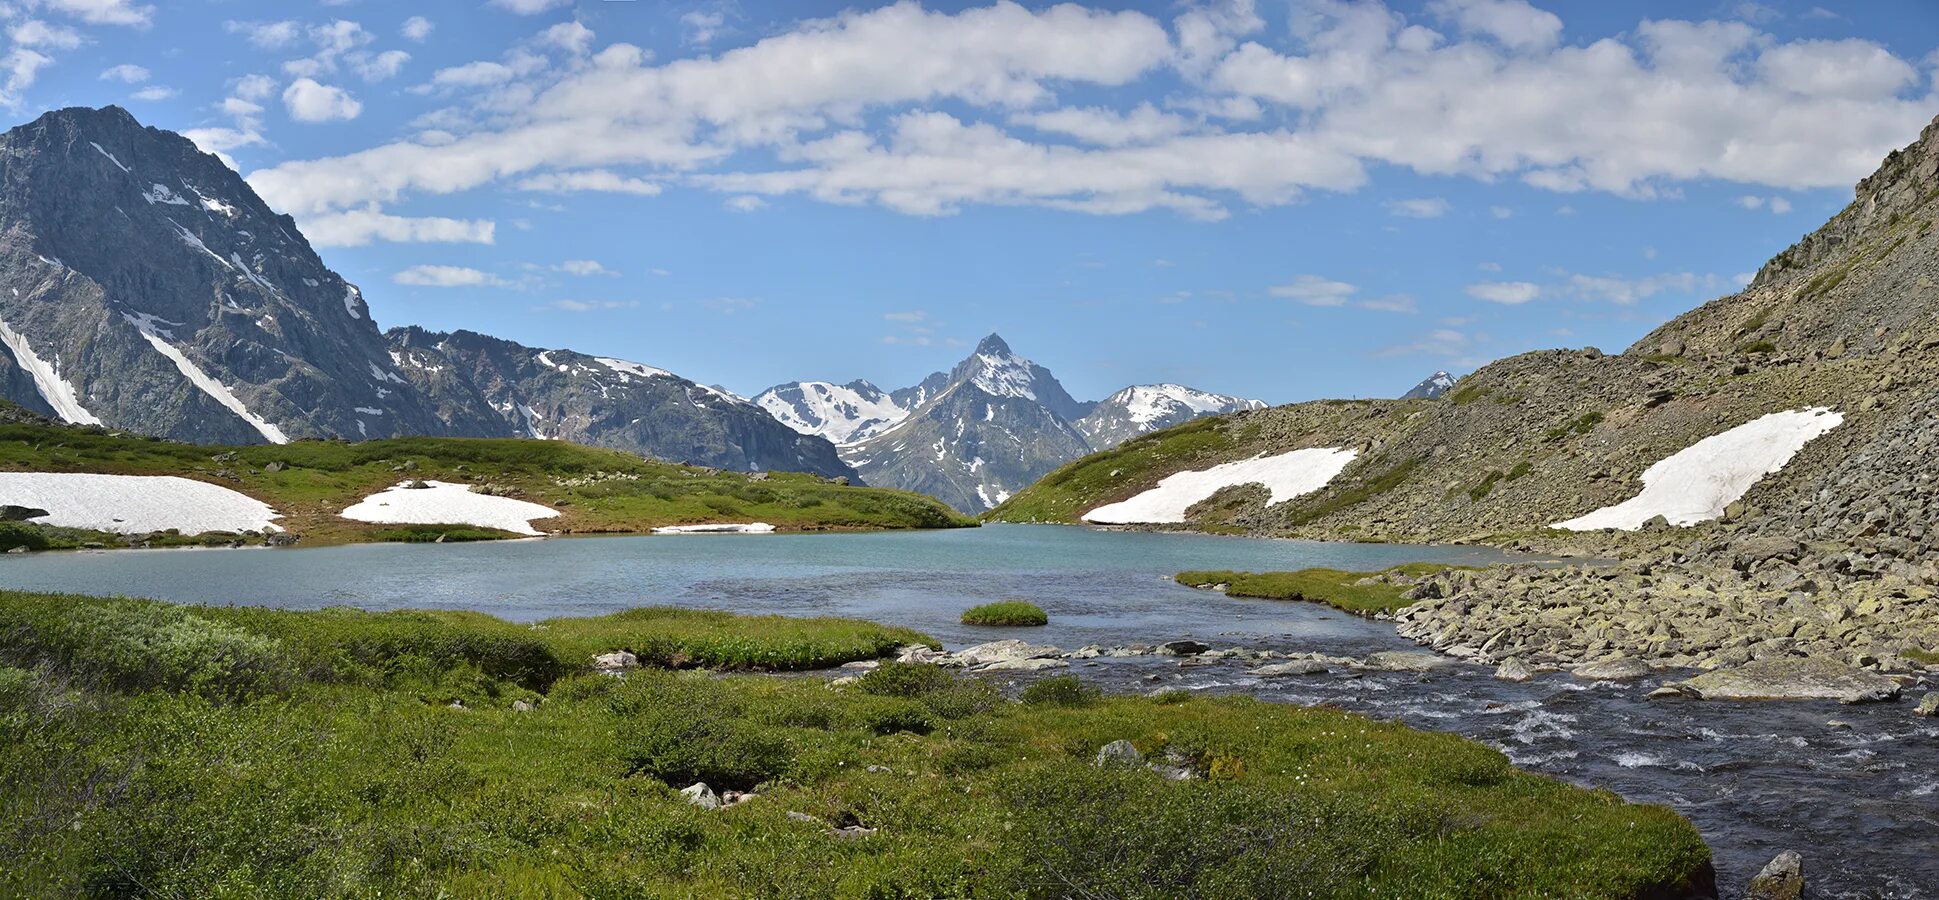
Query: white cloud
[(381, 66), (1420, 208), (248, 87), (571, 37), (1627, 291), (589, 180), (126, 73), (153, 93), (745, 203), (103, 12), (308, 101), (585, 268), (358, 227), (1501, 212), (1393, 303), (926, 112), (702, 27), (21, 67), (1313, 290), (1510, 293), (1444, 343), (1777, 205), (529, 7), (267, 35), (36, 33), (590, 305), (448, 277), (417, 28)]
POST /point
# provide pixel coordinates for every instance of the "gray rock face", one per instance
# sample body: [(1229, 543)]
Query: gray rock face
[(1145, 408), (601, 401), (144, 286), (1781, 879), (842, 413), (1797, 678)]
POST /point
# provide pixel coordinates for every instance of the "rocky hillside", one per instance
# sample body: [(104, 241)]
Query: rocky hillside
[(599, 402), (144, 286), (1848, 319)]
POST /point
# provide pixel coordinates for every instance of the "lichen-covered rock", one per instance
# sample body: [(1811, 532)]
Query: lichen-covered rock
[(1795, 678)]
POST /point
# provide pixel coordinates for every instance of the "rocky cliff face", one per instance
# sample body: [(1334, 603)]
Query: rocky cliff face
[(598, 401), (143, 285)]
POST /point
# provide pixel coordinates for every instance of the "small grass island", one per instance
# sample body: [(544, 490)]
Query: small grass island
[(1006, 613)]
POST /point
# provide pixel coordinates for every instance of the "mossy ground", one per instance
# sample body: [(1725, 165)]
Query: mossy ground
[(149, 750), (596, 491), (1333, 587), (1006, 612)]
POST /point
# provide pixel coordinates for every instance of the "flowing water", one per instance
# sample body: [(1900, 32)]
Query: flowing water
[(1859, 799)]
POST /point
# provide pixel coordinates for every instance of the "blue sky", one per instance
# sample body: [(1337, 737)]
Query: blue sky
[(1279, 200)]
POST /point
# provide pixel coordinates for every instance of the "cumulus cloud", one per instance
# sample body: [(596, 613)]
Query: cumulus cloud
[(309, 101), (36, 33), (1509, 293), (1627, 291), (589, 180), (103, 12), (21, 67), (585, 268), (357, 227), (267, 35), (529, 7), (926, 112), (448, 277), (1421, 208), (1776, 205), (126, 73), (417, 28), (1313, 290)]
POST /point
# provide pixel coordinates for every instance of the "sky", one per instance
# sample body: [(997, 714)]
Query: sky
[(1281, 200)]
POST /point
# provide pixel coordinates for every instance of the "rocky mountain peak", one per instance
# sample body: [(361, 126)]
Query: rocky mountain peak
[(994, 345), (1430, 387)]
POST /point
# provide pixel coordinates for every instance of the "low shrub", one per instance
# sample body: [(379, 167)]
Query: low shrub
[(681, 730), (1006, 613), (1061, 690)]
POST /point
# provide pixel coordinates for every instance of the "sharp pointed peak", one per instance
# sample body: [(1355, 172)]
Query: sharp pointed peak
[(993, 346)]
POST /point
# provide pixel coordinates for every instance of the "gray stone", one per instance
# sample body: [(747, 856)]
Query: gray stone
[(615, 662), (1512, 669), (699, 794), (1295, 667), (1615, 668), (1183, 648), (1119, 752), (1781, 879), (1791, 678), (1408, 661), (1928, 705)]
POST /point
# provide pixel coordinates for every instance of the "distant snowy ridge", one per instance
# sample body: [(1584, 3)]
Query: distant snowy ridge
[(1696, 483), (1431, 387), (842, 413), (1285, 476)]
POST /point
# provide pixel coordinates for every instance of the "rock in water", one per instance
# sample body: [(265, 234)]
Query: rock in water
[(1802, 678), (1781, 879), (1408, 661), (1296, 667), (1183, 648), (1928, 705), (1615, 668), (1512, 669)]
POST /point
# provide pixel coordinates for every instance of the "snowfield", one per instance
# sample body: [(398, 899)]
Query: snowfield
[(134, 504), (1148, 403), (751, 528), (444, 503), (57, 391), (1287, 475), (1696, 483)]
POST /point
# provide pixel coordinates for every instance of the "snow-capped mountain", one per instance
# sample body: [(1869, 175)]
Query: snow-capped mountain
[(986, 429), (843, 413), (601, 401), (1434, 386), (1144, 408)]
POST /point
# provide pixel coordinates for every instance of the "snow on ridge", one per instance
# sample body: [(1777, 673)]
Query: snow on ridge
[(1148, 403), (216, 390), (162, 194), (446, 503), (1696, 483), (134, 504), (627, 367), (1005, 376), (837, 412), (1285, 476), (749, 528), (350, 297), (57, 391)]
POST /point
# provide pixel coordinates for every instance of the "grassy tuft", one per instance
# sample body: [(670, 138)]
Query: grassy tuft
[(1332, 587), (1006, 612)]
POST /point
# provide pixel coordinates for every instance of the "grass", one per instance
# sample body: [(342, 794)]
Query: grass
[(596, 491), (1486, 485), (1006, 612), (1332, 587), (1333, 501), (1078, 486), (1922, 657), (1582, 424), (118, 781)]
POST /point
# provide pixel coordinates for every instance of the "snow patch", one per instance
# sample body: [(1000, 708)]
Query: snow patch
[(1696, 483), (160, 193), (626, 368), (134, 504), (445, 503), (351, 297), (369, 410), (1286, 476), (110, 156), (1005, 376), (842, 414), (54, 389), (750, 528), (216, 390)]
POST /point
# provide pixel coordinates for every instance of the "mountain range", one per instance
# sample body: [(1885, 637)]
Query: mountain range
[(144, 286), (977, 434)]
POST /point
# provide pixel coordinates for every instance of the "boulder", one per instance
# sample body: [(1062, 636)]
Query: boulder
[(1407, 661), (1034, 664), (522, 706), (1001, 651), (1296, 667), (1512, 669), (919, 653), (1791, 678), (12, 513), (699, 794), (1183, 648), (1928, 705), (1614, 668), (1119, 753), (615, 663), (1781, 879)]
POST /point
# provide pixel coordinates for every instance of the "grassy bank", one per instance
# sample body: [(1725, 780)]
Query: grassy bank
[(595, 491), (150, 750), (1011, 613), (1333, 587)]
